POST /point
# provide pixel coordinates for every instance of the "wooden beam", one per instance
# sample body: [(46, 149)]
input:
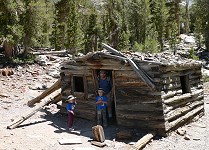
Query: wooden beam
[(178, 122), (143, 141), (50, 52), (30, 113), (50, 90), (140, 72)]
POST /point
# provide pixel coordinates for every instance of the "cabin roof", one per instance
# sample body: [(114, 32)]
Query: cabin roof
[(165, 58)]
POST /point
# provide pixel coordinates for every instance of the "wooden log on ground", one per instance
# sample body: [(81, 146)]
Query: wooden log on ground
[(63, 52), (28, 114), (50, 90), (143, 141)]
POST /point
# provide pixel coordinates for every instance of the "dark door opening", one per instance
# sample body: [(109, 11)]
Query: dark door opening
[(111, 112)]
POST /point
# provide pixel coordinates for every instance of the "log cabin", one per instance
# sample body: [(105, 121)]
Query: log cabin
[(158, 92)]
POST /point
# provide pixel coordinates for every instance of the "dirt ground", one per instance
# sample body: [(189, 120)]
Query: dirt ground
[(47, 127)]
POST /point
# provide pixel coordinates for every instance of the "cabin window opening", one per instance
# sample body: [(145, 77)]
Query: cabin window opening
[(78, 84), (185, 85)]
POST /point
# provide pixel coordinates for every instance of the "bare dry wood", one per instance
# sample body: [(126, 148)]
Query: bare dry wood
[(178, 122), (28, 114), (139, 107), (143, 141), (63, 52), (181, 104), (98, 133), (140, 72), (177, 99), (180, 111), (170, 94), (50, 90)]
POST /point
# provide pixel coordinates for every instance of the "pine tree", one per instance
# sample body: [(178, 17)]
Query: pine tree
[(10, 30), (159, 17), (200, 11)]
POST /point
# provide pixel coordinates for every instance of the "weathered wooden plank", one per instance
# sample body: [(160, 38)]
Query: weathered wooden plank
[(50, 90), (86, 114), (177, 99), (183, 103), (176, 113), (140, 116), (181, 120), (139, 107), (130, 84), (170, 94), (142, 124)]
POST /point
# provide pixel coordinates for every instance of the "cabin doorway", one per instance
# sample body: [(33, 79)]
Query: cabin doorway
[(111, 111)]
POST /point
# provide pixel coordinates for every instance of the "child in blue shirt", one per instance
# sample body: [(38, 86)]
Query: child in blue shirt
[(70, 110), (101, 102)]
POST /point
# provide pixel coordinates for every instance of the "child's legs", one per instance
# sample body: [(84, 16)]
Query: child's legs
[(99, 117), (70, 119), (104, 117)]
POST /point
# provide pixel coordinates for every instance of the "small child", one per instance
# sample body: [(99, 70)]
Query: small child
[(101, 102), (70, 110)]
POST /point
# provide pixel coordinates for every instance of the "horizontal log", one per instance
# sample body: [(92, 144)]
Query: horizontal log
[(183, 119), (183, 103), (180, 67), (141, 124), (140, 107), (170, 94), (140, 116), (63, 52), (86, 114), (181, 111), (177, 99), (131, 84), (179, 73)]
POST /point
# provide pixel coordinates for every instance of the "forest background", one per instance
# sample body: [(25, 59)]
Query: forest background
[(82, 25)]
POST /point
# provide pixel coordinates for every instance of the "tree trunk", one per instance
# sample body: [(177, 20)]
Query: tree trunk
[(8, 48)]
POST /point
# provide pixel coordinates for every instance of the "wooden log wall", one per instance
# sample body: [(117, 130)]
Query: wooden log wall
[(179, 108), (136, 104)]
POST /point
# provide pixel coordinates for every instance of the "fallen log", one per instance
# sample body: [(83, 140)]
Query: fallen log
[(30, 113), (143, 141), (50, 90), (50, 52)]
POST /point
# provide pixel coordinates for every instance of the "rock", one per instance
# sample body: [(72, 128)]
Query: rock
[(181, 131), (187, 137)]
